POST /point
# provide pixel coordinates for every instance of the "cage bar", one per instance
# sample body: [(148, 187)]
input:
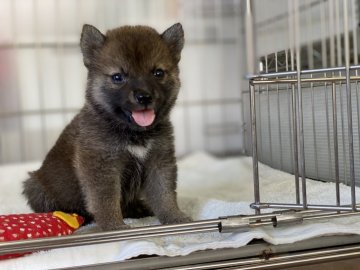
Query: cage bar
[(300, 105), (349, 105), (336, 147)]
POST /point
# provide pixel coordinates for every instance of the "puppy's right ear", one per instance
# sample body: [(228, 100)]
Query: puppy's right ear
[(90, 42)]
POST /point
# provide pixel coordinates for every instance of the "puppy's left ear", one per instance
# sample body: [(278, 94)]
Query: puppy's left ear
[(174, 37)]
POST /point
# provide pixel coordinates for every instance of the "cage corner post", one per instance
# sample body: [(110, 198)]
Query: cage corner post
[(250, 61)]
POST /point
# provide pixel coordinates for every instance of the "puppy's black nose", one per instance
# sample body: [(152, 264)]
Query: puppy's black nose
[(142, 97)]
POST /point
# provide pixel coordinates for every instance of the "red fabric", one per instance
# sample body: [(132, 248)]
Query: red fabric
[(28, 226)]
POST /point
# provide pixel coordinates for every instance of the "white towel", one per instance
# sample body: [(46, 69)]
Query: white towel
[(208, 188)]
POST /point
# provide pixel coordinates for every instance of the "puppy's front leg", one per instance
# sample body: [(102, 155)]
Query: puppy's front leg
[(160, 195), (100, 182)]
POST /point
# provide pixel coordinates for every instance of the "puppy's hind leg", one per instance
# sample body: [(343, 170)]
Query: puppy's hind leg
[(36, 196)]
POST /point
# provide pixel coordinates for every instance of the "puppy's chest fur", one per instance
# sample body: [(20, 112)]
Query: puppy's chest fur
[(134, 171), (138, 151)]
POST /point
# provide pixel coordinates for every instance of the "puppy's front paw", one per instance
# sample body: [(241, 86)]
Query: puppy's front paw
[(116, 228), (175, 219), (93, 228)]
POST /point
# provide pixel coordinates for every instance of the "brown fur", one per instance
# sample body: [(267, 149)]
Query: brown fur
[(104, 166)]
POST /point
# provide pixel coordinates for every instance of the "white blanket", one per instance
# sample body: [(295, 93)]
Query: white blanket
[(207, 188)]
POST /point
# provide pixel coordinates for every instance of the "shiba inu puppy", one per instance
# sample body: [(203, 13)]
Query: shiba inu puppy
[(116, 158)]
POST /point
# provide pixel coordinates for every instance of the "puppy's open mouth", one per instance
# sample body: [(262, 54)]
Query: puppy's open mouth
[(143, 118)]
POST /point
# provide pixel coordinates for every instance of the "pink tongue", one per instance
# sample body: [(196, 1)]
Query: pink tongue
[(144, 118)]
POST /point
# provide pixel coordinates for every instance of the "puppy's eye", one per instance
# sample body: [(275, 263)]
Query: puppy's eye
[(158, 73), (117, 78)]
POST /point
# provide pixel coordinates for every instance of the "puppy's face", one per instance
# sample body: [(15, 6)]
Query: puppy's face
[(133, 72)]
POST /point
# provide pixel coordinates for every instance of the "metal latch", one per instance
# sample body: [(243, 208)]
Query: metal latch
[(284, 219), (234, 223), (244, 223)]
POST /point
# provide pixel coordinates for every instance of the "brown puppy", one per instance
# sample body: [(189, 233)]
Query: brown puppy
[(116, 158)]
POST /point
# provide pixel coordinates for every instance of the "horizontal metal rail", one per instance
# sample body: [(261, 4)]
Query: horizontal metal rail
[(268, 261), (208, 102), (300, 207), (107, 237), (75, 44), (303, 80), (302, 72), (260, 252)]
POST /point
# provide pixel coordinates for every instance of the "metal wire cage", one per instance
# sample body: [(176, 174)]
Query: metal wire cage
[(304, 115)]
